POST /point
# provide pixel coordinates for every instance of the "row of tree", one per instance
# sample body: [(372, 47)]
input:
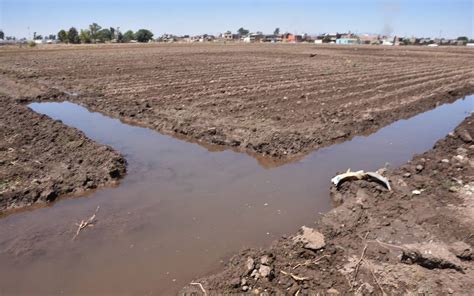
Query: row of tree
[(97, 34)]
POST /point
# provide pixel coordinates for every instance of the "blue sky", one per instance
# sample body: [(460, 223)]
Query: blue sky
[(430, 18)]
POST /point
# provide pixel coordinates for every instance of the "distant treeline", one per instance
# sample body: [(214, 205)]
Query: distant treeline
[(97, 34)]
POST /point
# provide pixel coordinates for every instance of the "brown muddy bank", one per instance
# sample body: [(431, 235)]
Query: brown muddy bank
[(42, 159), (415, 239)]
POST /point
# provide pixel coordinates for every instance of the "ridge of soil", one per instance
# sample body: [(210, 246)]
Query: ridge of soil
[(42, 159), (415, 239)]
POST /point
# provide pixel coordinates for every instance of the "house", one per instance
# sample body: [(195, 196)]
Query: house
[(347, 41), (228, 36), (253, 37), (369, 39), (292, 38)]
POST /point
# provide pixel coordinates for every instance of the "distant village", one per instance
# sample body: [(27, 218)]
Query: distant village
[(242, 35), (328, 38)]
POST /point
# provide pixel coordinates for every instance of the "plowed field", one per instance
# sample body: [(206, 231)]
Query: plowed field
[(279, 100)]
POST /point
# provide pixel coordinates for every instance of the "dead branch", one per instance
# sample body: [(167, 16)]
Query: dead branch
[(361, 258), (376, 281), (295, 277), (200, 286), (85, 223), (308, 262)]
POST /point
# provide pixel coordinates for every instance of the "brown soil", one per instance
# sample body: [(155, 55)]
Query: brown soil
[(279, 100), (41, 159), (409, 243)]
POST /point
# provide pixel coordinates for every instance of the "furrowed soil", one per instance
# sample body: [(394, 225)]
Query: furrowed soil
[(377, 242), (41, 159), (278, 100)]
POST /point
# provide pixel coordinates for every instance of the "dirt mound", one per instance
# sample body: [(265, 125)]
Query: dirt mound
[(415, 239), (41, 159)]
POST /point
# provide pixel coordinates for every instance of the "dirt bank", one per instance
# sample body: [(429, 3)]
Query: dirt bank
[(415, 239), (41, 159), (278, 100)]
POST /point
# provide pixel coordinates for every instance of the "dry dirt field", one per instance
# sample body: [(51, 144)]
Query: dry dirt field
[(279, 100)]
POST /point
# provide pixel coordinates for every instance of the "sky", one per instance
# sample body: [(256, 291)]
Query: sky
[(423, 18)]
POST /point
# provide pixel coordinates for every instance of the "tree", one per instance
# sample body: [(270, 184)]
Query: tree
[(38, 37), (112, 33), (243, 32), (119, 36), (94, 28), (85, 36), (277, 31), (73, 36), (2, 35), (62, 36), (104, 35), (143, 35), (463, 38), (128, 36), (52, 37)]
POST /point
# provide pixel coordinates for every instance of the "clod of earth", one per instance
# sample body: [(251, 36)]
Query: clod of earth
[(431, 255), (310, 238)]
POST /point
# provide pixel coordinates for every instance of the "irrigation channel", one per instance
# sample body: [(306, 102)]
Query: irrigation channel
[(183, 209)]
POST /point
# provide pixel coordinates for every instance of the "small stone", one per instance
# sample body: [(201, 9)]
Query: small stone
[(254, 274), (265, 271), (245, 288), (310, 238), (453, 189), (461, 250), (465, 136), (416, 192), (419, 168), (333, 291), (265, 260), (407, 175), (445, 160), (250, 264)]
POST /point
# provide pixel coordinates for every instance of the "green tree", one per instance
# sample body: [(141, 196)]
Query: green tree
[(38, 37), (463, 38), (119, 36), (85, 36), (104, 35), (128, 36), (62, 36), (277, 31), (243, 32), (52, 37), (112, 33), (73, 36), (94, 28), (143, 35), (2, 35)]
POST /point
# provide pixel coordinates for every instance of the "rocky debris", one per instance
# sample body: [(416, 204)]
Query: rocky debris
[(310, 238), (431, 255), (461, 250)]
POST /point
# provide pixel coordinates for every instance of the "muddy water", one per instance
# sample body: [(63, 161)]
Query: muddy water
[(182, 209)]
